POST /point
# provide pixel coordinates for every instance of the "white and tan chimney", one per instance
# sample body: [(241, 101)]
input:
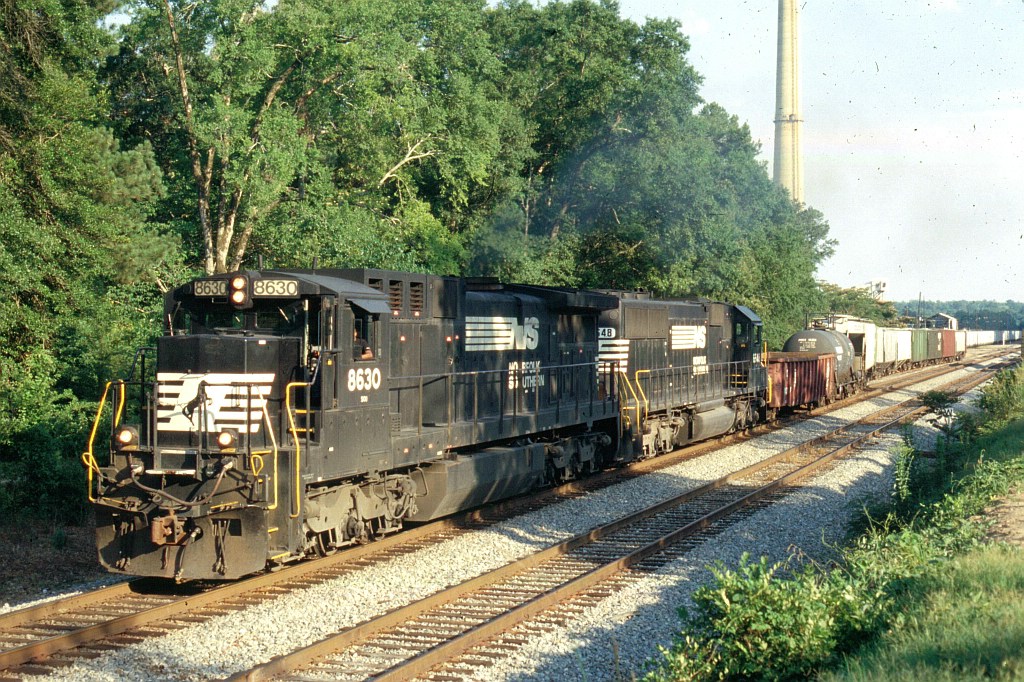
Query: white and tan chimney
[(789, 172)]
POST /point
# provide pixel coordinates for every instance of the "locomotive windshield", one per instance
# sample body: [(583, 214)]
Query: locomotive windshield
[(266, 317)]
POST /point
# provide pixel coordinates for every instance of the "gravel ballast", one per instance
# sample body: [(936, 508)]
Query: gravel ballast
[(637, 618)]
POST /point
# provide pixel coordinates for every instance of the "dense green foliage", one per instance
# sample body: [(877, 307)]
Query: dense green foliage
[(80, 253), (631, 181), (764, 621), (970, 314)]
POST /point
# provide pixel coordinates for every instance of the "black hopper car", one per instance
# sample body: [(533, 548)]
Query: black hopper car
[(289, 412)]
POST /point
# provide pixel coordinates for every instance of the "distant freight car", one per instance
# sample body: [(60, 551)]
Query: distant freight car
[(926, 346), (801, 379), (863, 337), (828, 341), (961, 343), (948, 346), (892, 350)]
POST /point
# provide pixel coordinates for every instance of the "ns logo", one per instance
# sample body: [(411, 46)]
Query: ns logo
[(500, 333), (527, 334)]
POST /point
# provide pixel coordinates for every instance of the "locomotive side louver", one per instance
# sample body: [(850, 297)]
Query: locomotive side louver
[(416, 298), (395, 295)]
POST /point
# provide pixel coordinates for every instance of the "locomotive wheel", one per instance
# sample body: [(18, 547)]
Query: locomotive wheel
[(323, 545)]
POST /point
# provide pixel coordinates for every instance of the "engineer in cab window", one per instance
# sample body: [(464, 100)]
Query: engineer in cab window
[(362, 349)]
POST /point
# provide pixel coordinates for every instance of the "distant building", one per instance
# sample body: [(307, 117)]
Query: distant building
[(941, 321), (877, 289)]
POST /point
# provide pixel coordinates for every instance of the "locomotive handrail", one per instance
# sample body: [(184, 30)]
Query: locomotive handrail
[(140, 354), (442, 375), (274, 450), (508, 379), (629, 385), (298, 445), (88, 458), (708, 382), (640, 388)]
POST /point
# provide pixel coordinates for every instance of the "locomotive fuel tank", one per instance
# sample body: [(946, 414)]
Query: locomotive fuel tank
[(825, 341)]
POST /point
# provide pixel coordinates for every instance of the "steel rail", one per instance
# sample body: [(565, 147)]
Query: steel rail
[(41, 648), (427, 660)]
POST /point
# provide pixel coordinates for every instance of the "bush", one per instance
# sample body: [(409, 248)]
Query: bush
[(760, 622), (753, 624), (40, 473), (1003, 397)]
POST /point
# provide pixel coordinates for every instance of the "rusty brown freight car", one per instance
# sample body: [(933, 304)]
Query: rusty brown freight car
[(948, 343), (801, 379)]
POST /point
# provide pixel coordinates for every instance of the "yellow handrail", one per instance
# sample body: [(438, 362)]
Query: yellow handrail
[(629, 385), (298, 445), (640, 388), (88, 458)]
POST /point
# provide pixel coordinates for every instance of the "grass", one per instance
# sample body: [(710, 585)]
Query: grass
[(965, 623)]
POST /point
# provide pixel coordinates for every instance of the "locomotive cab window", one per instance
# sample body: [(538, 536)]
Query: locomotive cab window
[(282, 320), (364, 335), (742, 334), (269, 318)]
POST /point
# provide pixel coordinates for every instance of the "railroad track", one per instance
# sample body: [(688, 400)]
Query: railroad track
[(37, 640), (470, 624)]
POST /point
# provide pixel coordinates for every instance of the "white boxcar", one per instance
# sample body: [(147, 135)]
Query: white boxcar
[(892, 349), (961, 343)]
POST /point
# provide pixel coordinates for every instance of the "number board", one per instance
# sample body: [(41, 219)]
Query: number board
[(275, 287), (211, 287)]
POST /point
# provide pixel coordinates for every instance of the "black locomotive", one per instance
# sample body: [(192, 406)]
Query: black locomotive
[(293, 412)]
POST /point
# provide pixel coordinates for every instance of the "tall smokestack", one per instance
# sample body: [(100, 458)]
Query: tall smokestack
[(789, 171)]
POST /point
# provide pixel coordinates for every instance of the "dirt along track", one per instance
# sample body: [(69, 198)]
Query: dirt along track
[(203, 609)]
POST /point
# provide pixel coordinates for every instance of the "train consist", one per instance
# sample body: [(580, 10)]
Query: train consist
[(836, 354), (295, 412)]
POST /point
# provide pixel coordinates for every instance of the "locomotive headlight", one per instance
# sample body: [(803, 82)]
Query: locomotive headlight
[(227, 439), (239, 290), (127, 438)]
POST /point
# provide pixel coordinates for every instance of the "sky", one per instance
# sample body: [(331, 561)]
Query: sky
[(913, 135)]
